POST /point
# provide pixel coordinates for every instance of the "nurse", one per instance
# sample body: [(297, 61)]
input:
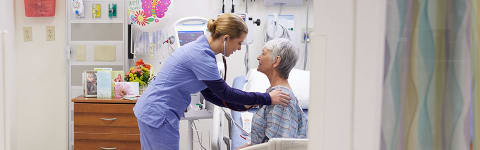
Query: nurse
[(190, 69)]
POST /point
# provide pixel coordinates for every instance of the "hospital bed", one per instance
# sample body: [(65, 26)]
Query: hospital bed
[(239, 123), (281, 144)]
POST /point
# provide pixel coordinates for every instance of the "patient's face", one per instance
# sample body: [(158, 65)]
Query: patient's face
[(265, 63)]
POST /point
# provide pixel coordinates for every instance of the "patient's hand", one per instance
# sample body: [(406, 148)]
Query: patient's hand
[(279, 97)]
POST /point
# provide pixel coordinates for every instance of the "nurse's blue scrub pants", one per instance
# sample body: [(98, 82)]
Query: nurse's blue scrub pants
[(164, 137)]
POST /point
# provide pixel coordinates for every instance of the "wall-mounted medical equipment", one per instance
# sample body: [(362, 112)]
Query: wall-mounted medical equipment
[(189, 29), (283, 2), (39, 8), (279, 26), (147, 14), (251, 24), (78, 8)]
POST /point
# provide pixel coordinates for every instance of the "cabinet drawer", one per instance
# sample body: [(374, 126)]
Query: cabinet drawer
[(105, 145), (105, 129), (103, 108), (105, 119), (107, 137)]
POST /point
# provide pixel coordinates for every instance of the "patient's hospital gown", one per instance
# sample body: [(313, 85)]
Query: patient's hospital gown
[(277, 121)]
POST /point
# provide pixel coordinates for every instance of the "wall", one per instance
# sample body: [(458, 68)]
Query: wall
[(370, 20), (7, 76), (346, 82), (40, 69)]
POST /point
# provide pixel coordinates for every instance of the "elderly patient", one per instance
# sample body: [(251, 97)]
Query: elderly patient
[(277, 121)]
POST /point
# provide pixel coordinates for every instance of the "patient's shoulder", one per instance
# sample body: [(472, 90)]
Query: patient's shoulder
[(283, 88), (286, 90), (293, 105)]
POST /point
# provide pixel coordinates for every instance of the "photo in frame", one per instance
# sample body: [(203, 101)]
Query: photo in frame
[(89, 79)]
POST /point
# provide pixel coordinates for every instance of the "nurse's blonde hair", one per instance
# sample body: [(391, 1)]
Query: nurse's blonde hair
[(227, 24)]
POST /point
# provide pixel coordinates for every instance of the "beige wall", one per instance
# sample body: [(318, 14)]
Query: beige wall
[(41, 108)]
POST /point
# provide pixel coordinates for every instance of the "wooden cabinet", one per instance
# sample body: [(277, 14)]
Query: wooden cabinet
[(107, 124)]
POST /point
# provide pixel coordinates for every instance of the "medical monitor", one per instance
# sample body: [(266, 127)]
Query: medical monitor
[(185, 37)]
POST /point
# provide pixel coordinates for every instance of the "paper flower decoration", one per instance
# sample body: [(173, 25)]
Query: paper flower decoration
[(147, 13)]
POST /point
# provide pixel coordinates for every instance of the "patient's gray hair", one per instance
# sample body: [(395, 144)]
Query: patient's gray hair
[(287, 52)]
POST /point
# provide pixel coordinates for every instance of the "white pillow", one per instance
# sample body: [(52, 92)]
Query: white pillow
[(299, 81)]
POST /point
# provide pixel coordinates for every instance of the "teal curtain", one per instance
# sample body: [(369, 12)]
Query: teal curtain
[(431, 75)]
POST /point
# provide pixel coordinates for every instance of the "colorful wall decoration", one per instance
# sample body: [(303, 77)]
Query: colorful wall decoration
[(147, 14), (431, 75)]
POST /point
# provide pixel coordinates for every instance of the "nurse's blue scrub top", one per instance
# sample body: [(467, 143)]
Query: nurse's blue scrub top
[(168, 95)]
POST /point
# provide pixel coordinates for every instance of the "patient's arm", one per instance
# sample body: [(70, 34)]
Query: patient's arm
[(211, 97)]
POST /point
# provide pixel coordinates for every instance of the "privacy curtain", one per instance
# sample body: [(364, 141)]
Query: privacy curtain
[(431, 75)]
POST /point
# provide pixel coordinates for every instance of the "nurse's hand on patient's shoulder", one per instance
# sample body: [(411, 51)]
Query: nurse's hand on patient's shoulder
[(279, 97)]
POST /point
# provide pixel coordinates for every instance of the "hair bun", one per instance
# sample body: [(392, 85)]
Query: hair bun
[(211, 26)]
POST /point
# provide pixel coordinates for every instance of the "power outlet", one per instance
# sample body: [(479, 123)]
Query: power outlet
[(50, 33), (27, 34)]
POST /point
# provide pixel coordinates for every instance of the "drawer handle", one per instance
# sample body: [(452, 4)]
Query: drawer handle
[(108, 148), (108, 119)]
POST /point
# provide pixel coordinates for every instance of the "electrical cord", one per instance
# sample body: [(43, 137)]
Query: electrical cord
[(198, 136), (223, 6), (233, 7), (224, 67), (234, 122)]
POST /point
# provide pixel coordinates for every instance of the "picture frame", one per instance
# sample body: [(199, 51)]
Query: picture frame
[(89, 79)]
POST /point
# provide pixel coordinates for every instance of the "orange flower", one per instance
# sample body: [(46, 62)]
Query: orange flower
[(140, 62), (147, 66), (137, 70)]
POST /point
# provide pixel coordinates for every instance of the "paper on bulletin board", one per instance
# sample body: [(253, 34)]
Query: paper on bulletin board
[(80, 53), (104, 53)]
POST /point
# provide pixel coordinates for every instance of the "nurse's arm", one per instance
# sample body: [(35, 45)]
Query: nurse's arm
[(235, 96), (209, 96)]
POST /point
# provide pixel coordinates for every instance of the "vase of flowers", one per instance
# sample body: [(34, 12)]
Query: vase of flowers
[(140, 73)]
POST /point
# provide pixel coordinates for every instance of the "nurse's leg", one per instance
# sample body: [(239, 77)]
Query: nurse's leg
[(165, 137)]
